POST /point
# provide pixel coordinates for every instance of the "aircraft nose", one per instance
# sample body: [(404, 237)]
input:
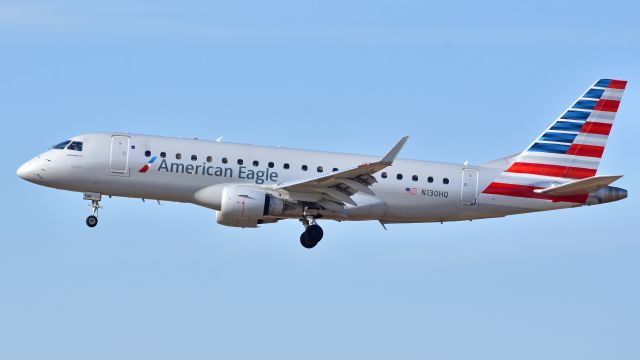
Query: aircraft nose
[(27, 171)]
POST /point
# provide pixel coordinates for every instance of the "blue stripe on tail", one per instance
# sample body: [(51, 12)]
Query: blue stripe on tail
[(558, 137), (576, 115), (566, 126), (549, 148)]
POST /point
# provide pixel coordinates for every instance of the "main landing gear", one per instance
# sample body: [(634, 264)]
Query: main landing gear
[(92, 220), (312, 232)]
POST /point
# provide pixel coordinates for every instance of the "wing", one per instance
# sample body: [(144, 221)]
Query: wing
[(335, 190)]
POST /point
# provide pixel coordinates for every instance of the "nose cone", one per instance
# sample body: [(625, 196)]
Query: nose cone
[(28, 171)]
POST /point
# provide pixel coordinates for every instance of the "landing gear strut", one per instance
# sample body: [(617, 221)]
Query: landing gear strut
[(92, 220), (312, 233)]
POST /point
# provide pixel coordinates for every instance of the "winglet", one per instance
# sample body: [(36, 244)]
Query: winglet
[(391, 155)]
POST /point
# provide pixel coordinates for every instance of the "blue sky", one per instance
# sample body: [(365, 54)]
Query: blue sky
[(467, 80)]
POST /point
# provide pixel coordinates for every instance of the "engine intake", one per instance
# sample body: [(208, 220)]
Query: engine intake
[(247, 206)]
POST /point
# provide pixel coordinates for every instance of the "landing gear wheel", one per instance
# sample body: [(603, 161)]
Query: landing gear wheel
[(311, 236), (314, 232), (306, 243), (92, 221)]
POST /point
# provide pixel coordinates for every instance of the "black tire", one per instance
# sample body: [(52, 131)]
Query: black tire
[(92, 221), (305, 242), (314, 233)]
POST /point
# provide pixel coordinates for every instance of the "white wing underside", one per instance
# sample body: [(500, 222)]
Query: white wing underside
[(335, 190)]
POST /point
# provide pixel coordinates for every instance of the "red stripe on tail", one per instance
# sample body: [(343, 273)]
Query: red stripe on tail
[(617, 84), (607, 105), (586, 150), (551, 170), (596, 128)]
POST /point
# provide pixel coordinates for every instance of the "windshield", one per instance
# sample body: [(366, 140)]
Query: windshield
[(62, 145), (76, 145)]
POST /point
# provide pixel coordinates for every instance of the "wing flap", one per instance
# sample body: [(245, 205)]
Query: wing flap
[(357, 186)]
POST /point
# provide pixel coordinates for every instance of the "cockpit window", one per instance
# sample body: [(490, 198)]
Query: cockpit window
[(62, 145), (76, 145)]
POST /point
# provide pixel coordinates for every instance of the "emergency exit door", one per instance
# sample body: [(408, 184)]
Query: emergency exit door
[(469, 192), (119, 158)]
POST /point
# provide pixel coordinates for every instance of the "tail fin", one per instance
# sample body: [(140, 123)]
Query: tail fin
[(570, 148), (573, 145)]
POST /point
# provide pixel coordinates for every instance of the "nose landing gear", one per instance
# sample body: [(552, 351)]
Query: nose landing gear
[(92, 220), (312, 233)]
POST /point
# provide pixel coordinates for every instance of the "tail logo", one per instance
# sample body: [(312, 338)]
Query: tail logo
[(570, 149)]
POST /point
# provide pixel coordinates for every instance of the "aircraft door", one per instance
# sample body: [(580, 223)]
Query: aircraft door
[(469, 187), (119, 158)]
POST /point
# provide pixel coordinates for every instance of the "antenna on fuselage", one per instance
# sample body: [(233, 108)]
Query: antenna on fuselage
[(219, 139)]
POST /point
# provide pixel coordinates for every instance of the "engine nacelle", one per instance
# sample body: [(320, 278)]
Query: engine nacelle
[(605, 195), (247, 206)]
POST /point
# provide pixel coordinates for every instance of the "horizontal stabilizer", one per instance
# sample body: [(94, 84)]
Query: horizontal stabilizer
[(582, 186)]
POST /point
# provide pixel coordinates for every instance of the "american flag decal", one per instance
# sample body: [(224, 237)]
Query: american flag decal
[(410, 191)]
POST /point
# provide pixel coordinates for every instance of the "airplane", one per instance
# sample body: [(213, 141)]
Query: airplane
[(250, 185)]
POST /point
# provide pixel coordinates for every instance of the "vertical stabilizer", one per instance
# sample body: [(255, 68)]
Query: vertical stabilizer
[(570, 148)]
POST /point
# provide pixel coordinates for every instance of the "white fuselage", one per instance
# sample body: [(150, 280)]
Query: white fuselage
[(196, 171)]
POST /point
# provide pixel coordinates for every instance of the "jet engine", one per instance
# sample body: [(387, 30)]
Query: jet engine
[(247, 206)]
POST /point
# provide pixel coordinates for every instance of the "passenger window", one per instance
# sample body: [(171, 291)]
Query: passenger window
[(384, 175), (414, 178), (62, 145), (240, 161), (305, 168), (270, 164), (320, 169), (76, 145), (335, 169), (209, 158), (445, 181), (255, 163), (194, 158), (178, 156), (225, 160), (286, 166), (163, 154), (430, 179), (147, 153), (399, 176)]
